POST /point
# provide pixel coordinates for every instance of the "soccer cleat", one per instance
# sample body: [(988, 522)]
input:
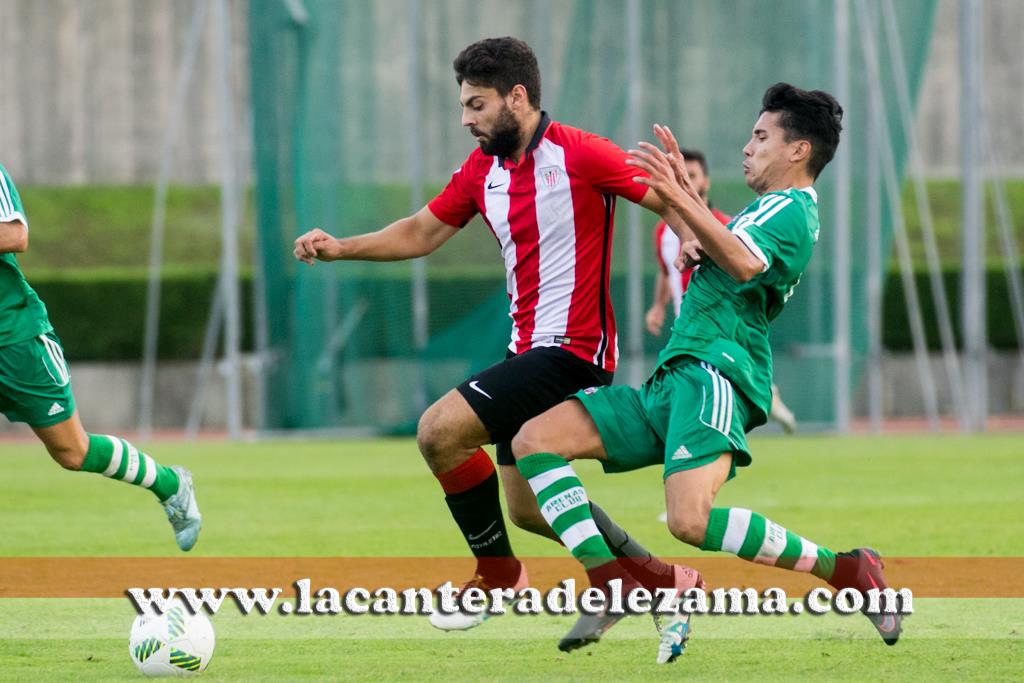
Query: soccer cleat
[(463, 621), (685, 579), (862, 569), (183, 511), (590, 627), (674, 637), (675, 632)]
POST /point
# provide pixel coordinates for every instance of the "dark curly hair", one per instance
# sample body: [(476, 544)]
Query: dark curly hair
[(502, 64), (812, 115)]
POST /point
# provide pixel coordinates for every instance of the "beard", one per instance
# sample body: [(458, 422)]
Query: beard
[(504, 139)]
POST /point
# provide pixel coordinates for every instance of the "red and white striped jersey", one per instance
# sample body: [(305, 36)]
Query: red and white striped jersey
[(553, 215), (666, 247)]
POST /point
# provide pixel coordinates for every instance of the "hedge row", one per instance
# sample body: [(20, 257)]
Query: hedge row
[(101, 315)]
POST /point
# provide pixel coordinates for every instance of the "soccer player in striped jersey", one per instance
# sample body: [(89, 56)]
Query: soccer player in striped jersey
[(670, 283), (35, 388), (713, 379), (547, 192)]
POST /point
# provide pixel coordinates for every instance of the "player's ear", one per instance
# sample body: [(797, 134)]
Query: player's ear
[(518, 98), (800, 151)]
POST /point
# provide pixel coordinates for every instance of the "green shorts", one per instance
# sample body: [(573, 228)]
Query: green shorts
[(685, 416), (35, 384)]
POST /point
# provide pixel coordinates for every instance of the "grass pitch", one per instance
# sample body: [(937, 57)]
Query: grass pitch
[(906, 496)]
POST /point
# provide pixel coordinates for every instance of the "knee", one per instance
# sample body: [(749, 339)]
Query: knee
[(690, 524), (528, 440), (431, 434)]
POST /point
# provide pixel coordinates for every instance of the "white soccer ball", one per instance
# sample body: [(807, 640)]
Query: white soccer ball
[(175, 643)]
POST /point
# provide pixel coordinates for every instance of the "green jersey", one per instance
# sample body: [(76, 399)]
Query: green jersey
[(22, 313), (724, 322)]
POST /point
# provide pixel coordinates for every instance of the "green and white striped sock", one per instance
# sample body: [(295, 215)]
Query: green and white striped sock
[(565, 507), (756, 538), (115, 458)]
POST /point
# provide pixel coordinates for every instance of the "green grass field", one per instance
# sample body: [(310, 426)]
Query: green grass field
[(906, 496)]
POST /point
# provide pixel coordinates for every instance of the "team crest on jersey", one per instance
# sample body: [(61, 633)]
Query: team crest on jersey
[(550, 175)]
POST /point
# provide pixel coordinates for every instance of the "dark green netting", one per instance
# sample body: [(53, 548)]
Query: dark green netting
[(332, 143)]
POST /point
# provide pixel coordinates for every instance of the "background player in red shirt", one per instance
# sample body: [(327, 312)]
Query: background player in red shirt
[(670, 283), (547, 192)]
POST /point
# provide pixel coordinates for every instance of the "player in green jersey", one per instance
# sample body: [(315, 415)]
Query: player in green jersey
[(35, 387), (713, 380)]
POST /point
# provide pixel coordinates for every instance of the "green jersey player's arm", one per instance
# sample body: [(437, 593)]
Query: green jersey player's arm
[(652, 202), (721, 246), (13, 237), (778, 235), (410, 237)]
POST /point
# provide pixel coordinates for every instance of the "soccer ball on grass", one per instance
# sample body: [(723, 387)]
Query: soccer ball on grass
[(175, 643)]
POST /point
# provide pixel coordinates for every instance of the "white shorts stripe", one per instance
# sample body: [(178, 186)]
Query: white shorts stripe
[(773, 545), (722, 413), (546, 479), (736, 530), (133, 465), (578, 533), (731, 398), (115, 459), (150, 477), (808, 556), (57, 355), (716, 399)]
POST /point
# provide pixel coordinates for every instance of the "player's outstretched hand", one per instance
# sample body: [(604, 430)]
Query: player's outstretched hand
[(676, 159), (316, 245)]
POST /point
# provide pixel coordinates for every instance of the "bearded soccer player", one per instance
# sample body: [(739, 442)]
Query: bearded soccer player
[(547, 192), (35, 387), (713, 379), (670, 283)]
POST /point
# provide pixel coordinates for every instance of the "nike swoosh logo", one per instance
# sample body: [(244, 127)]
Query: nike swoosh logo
[(491, 186), (474, 385), (482, 533)]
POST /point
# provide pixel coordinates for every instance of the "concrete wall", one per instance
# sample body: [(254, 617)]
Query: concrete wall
[(88, 88)]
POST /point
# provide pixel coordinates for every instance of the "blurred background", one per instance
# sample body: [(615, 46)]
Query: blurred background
[(168, 152)]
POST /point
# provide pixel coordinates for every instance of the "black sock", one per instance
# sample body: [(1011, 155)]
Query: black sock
[(477, 511)]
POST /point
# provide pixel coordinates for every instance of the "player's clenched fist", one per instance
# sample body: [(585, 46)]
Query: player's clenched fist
[(317, 245), (690, 254)]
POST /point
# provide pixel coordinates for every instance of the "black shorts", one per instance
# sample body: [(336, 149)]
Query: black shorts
[(507, 394)]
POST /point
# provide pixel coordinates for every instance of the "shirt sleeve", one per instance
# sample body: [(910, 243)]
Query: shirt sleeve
[(603, 163), (10, 203), (659, 231), (455, 205), (776, 232)]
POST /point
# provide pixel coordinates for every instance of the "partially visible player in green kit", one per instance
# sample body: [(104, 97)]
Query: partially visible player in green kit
[(35, 388)]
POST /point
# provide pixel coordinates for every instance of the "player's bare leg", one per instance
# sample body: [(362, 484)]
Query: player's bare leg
[(75, 449)]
